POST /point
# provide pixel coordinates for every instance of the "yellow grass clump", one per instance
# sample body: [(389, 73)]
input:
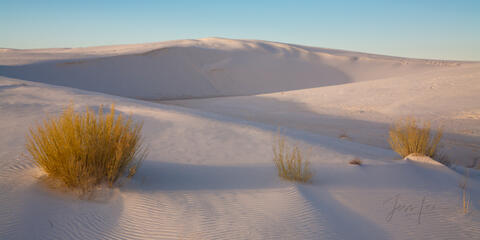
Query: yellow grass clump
[(407, 137), (83, 150), (465, 195), (290, 164)]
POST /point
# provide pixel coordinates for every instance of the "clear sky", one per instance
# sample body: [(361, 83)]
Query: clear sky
[(422, 28)]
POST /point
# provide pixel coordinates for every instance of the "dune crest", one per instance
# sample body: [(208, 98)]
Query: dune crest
[(211, 67)]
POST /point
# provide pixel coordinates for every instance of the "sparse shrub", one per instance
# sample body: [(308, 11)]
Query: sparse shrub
[(344, 136), (465, 196), (85, 149), (356, 161), (406, 138), (290, 164)]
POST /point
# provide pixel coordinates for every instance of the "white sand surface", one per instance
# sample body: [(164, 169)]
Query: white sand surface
[(363, 111), (210, 175)]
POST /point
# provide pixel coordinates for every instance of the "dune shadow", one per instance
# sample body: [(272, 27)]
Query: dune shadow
[(161, 176), (183, 72), (343, 222), (45, 213), (270, 114), (4, 87)]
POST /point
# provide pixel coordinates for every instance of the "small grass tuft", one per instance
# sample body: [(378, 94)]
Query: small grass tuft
[(465, 196), (407, 137), (83, 150), (290, 164), (344, 136), (356, 161)]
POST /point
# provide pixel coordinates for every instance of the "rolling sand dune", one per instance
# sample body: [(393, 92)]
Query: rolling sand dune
[(212, 68), (209, 174), (363, 111)]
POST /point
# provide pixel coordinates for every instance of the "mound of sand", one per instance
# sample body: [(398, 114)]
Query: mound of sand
[(203, 68)]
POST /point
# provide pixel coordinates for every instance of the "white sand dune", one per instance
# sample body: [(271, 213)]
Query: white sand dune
[(210, 68), (363, 111), (209, 174)]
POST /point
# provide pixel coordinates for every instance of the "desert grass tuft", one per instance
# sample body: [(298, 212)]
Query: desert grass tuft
[(344, 136), (407, 137), (83, 150), (290, 163), (465, 195), (356, 161)]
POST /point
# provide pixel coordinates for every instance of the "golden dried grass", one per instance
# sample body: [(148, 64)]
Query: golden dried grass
[(407, 137), (465, 195), (291, 164), (83, 150)]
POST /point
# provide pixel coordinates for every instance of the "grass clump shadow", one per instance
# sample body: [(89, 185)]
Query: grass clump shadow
[(83, 150), (290, 163), (407, 137)]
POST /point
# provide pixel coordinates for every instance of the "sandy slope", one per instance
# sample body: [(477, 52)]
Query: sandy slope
[(210, 176), (363, 111), (206, 68)]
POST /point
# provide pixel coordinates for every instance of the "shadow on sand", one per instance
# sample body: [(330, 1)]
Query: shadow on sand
[(265, 112)]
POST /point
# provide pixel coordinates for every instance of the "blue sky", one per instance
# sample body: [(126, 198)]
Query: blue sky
[(423, 29)]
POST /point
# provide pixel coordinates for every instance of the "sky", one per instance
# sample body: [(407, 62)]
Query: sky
[(419, 29)]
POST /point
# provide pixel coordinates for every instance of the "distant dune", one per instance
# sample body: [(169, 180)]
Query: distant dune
[(202, 68)]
